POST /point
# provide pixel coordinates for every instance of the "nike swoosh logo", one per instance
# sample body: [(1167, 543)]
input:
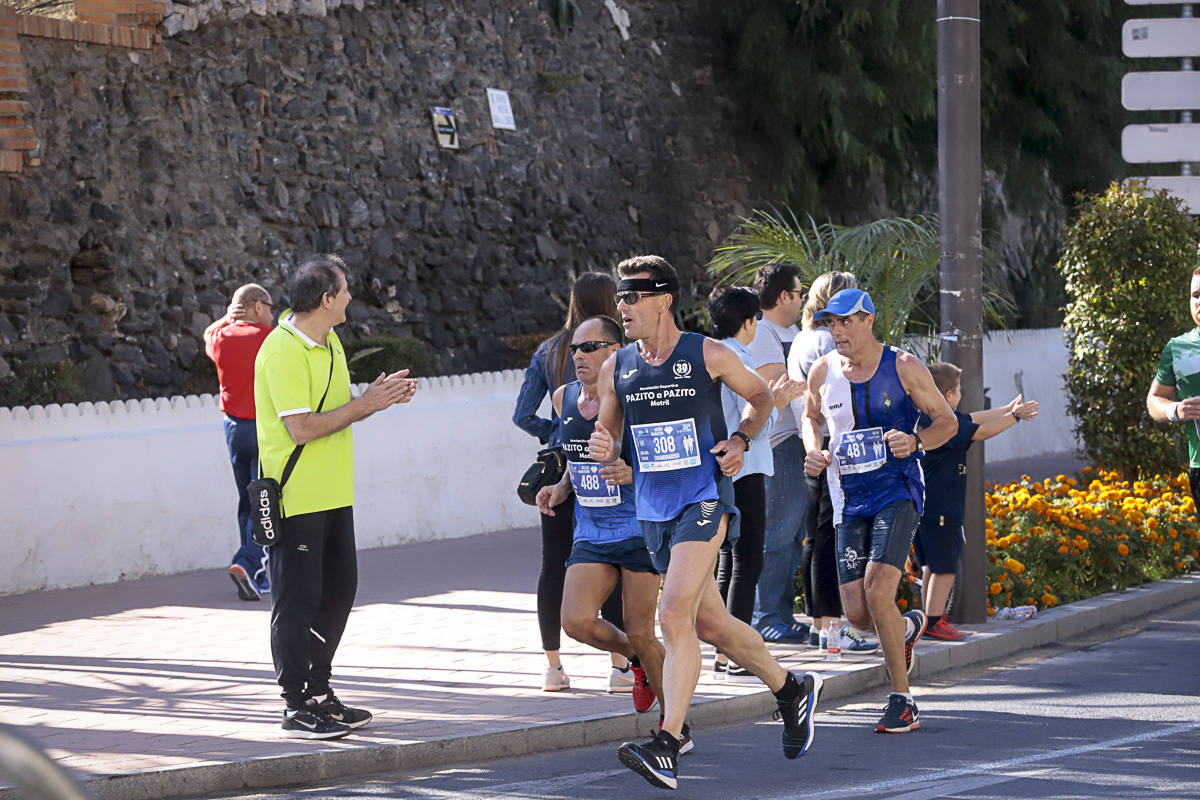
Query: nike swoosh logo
[(336, 717), (310, 726), (659, 285)]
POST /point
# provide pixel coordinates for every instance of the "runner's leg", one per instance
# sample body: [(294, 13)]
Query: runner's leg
[(586, 588), (743, 644), (640, 598), (688, 574), (880, 590)]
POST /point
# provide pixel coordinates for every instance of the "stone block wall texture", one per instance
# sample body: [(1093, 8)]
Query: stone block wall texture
[(273, 129)]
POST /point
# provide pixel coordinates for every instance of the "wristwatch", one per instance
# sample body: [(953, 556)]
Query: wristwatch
[(920, 444), (743, 437)]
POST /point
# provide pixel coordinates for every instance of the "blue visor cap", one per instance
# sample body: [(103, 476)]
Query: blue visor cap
[(845, 303)]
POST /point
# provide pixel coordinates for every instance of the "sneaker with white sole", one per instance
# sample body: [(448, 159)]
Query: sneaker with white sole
[(855, 644), (644, 697), (919, 621), (620, 681), (656, 760), (797, 715), (330, 706), (306, 724), (555, 680), (736, 674)]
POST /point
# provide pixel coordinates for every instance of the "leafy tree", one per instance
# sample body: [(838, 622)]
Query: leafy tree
[(1128, 264), (895, 259)]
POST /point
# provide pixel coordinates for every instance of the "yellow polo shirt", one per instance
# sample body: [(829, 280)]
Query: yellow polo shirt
[(290, 375)]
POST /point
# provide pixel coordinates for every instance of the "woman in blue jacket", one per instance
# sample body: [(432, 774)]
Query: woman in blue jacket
[(593, 294)]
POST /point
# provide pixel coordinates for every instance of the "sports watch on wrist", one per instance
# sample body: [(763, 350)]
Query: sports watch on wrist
[(743, 437), (920, 448)]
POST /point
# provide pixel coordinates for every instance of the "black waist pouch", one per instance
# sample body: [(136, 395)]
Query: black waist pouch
[(266, 509)]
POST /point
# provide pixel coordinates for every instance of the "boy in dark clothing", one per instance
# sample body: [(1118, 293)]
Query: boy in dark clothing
[(939, 540)]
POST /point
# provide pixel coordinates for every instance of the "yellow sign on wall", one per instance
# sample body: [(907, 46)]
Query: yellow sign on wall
[(445, 127)]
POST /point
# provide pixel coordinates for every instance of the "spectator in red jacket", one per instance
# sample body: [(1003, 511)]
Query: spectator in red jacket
[(232, 343)]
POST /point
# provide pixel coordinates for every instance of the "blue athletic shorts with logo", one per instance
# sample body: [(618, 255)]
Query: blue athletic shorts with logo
[(699, 522), (938, 547), (630, 554), (884, 538)]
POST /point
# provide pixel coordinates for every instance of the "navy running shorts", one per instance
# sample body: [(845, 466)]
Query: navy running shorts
[(630, 554), (938, 547), (884, 538), (698, 522)]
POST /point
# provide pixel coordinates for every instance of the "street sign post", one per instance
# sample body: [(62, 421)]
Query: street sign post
[(1160, 144), (1161, 38), (1161, 91)]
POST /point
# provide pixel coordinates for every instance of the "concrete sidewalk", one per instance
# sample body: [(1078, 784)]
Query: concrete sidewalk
[(163, 687)]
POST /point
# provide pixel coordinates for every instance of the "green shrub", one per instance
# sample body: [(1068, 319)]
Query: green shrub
[(371, 355), (40, 383), (1128, 264)]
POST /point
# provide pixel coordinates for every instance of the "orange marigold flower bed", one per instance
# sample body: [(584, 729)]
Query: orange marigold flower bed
[(1078, 539)]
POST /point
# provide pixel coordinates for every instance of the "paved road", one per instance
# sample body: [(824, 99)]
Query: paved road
[(1116, 715)]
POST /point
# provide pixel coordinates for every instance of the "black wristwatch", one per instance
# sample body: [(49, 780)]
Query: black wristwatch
[(743, 437), (920, 444)]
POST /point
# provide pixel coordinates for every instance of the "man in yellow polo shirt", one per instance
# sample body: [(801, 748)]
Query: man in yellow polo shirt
[(302, 396)]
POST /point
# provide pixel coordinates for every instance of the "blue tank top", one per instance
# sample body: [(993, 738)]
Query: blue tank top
[(865, 476), (673, 417), (603, 513)]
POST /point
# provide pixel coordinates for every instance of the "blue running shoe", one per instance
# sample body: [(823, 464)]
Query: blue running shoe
[(797, 716), (779, 633)]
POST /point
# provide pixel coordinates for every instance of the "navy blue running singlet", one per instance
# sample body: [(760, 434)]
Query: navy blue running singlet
[(673, 417)]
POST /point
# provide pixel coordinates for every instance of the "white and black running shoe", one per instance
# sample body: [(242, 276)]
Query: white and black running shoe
[(655, 760), (797, 716), (333, 708), (306, 724)]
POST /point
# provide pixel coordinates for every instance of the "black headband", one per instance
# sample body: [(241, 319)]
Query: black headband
[(667, 286)]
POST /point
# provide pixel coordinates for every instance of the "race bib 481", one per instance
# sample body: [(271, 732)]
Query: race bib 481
[(861, 450)]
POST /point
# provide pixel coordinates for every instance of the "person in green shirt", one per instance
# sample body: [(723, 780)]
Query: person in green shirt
[(302, 397), (1175, 391)]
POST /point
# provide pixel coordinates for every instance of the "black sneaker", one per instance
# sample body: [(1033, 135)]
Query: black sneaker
[(900, 716), (919, 622), (307, 724), (797, 716), (331, 707), (656, 761)]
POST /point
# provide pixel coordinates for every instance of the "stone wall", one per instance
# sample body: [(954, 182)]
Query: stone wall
[(168, 178)]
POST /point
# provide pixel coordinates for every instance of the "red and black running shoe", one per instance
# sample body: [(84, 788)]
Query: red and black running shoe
[(643, 696), (900, 716)]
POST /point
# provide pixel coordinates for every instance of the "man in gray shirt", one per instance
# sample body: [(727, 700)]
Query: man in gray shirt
[(782, 294)]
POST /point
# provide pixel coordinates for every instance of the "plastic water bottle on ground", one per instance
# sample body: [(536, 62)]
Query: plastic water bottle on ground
[(1017, 613), (833, 642)]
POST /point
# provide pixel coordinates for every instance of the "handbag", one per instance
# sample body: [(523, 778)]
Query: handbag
[(546, 470), (266, 494)]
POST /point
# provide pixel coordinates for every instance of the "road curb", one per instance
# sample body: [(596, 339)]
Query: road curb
[(344, 759)]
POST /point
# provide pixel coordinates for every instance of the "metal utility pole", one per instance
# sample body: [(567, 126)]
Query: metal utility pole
[(959, 188)]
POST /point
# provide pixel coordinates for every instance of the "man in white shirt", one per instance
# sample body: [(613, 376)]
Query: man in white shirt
[(782, 295)]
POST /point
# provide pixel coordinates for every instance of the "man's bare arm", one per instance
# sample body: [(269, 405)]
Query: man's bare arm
[(604, 445), (923, 394), (385, 391), (1161, 401), (726, 366)]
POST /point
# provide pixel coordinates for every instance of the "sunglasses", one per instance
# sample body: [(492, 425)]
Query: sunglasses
[(588, 347), (631, 298)]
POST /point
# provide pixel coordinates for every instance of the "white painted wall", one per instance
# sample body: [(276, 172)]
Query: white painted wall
[(93, 493)]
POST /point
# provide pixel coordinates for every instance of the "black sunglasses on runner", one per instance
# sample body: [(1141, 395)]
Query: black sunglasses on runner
[(631, 298), (588, 347)]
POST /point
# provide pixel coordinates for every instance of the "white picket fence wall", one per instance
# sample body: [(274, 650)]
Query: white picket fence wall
[(100, 492)]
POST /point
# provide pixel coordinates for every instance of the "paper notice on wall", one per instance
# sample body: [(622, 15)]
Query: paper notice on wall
[(502, 113)]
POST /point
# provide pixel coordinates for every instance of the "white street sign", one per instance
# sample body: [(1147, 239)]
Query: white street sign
[(1161, 38), (1161, 91), (1185, 187), (501, 108), (1160, 144)]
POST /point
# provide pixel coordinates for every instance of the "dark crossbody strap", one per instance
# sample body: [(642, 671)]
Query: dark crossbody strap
[(291, 462)]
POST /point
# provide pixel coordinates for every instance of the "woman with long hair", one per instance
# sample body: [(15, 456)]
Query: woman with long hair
[(593, 294), (818, 559), (735, 313)]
